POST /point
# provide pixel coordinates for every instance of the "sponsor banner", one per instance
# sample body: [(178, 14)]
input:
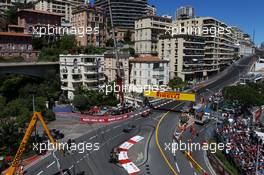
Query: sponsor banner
[(171, 95), (100, 119)]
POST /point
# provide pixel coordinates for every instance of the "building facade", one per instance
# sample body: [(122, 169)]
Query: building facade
[(243, 43), (93, 18), (147, 31), (148, 70), (186, 54), (17, 45), (185, 13), (61, 7), (81, 70), (151, 10), (219, 39), (28, 18), (125, 12), (111, 66)]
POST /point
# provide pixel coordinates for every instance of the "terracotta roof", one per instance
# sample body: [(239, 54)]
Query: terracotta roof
[(14, 34), (147, 58), (39, 11)]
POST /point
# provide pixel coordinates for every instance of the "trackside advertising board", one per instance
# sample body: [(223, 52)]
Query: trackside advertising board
[(171, 95)]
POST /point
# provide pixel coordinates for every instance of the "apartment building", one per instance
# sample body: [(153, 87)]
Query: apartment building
[(29, 18), (185, 12), (111, 66), (186, 54), (81, 70), (91, 18), (243, 43), (151, 10), (62, 7), (125, 12), (147, 31), (149, 70), (219, 38)]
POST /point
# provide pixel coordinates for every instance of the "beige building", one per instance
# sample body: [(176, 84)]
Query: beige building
[(62, 7), (219, 49), (91, 18), (147, 31), (186, 54), (111, 66)]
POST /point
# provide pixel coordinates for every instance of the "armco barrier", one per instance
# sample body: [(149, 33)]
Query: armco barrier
[(104, 119), (217, 164)]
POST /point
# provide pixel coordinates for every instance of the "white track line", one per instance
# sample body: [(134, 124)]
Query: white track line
[(40, 172), (50, 164), (191, 164), (91, 138), (177, 167)]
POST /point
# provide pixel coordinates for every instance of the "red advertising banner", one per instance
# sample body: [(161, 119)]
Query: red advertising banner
[(102, 119)]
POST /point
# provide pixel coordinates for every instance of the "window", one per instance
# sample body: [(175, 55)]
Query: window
[(149, 82), (75, 63)]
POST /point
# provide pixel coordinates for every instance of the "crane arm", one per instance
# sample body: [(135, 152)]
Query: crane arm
[(22, 146)]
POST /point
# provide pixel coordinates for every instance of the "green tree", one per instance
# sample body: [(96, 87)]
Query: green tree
[(176, 83), (109, 43), (67, 42), (80, 102), (39, 43), (246, 95), (127, 37), (2, 106)]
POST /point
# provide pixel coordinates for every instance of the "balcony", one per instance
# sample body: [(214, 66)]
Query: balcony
[(158, 69), (76, 71), (158, 76)]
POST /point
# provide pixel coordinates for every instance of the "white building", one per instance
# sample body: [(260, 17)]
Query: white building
[(81, 70), (149, 70), (147, 31)]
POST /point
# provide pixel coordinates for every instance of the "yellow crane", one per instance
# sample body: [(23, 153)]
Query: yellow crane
[(15, 164)]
